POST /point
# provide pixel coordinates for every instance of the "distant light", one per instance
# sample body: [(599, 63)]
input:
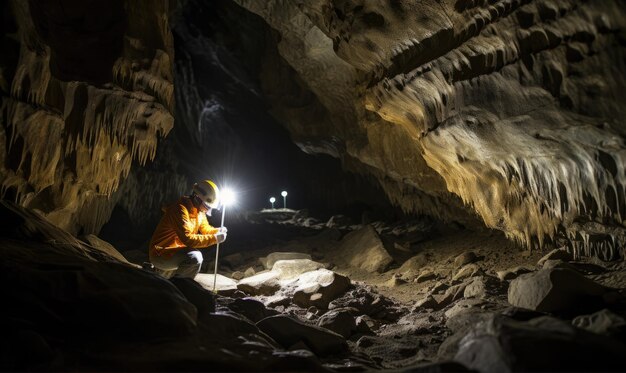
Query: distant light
[(272, 200), (284, 194), (228, 197)]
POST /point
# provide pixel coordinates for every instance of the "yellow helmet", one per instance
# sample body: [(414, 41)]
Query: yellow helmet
[(208, 192)]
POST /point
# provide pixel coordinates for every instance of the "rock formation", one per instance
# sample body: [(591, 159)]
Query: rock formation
[(511, 109), (87, 89)]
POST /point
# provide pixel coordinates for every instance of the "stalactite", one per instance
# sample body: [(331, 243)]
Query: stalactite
[(77, 140)]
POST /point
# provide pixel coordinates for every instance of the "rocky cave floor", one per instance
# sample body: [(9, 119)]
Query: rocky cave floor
[(299, 294)]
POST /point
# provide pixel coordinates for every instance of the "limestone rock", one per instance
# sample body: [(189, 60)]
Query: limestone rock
[(602, 322), (223, 283), (465, 258), (264, 283), (426, 276), (288, 332), (414, 266), (291, 268), (319, 288), (554, 290), (483, 286), (268, 261), (363, 249), (512, 273), (339, 321), (556, 254), (542, 344), (466, 271)]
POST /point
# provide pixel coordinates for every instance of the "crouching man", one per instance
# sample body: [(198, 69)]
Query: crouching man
[(184, 229)]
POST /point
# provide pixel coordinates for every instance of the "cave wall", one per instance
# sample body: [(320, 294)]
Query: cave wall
[(87, 91), (510, 110)]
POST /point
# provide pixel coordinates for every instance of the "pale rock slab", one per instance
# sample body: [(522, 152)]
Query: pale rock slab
[(222, 284), (264, 283), (268, 261)]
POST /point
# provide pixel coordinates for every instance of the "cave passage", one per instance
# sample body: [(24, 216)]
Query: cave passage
[(324, 185)]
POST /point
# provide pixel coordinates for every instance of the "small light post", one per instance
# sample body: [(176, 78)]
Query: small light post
[(284, 194), (228, 197), (272, 200)]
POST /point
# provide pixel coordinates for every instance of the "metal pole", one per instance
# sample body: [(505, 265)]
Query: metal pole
[(217, 253)]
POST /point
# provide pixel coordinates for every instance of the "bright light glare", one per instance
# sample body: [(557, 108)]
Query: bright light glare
[(228, 197), (284, 193), (272, 200)]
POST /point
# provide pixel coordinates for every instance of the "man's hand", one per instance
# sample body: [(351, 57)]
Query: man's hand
[(222, 230), (221, 237)]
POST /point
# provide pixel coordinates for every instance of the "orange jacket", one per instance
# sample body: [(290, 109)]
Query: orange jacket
[(181, 226)]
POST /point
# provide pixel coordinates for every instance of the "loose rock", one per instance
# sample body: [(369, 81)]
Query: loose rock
[(291, 268), (543, 344), (602, 322), (363, 249), (319, 288), (268, 261), (465, 258), (512, 273), (561, 254), (554, 290), (264, 283), (339, 321)]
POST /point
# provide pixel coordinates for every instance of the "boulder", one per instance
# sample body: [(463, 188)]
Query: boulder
[(364, 249), (414, 266), (465, 258), (319, 288), (268, 261), (339, 321), (466, 271), (223, 283), (561, 254), (288, 269), (512, 273), (288, 332), (501, 344), (602, 322), (264, 283), (427, 302), (483, 286), (452, 294), (555, 290), (426, 276)]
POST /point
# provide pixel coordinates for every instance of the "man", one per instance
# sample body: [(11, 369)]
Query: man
[(184, 229)]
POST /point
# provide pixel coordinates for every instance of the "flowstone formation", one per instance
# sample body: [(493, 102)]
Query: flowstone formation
[(510, 110), (87, 89)]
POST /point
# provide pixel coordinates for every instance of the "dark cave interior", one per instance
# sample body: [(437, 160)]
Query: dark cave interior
[(456, 172)]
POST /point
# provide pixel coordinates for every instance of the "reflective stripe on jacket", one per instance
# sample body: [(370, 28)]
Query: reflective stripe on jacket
[(182, 226)]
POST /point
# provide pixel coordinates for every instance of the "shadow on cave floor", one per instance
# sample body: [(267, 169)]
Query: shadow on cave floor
[(298, 294)]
